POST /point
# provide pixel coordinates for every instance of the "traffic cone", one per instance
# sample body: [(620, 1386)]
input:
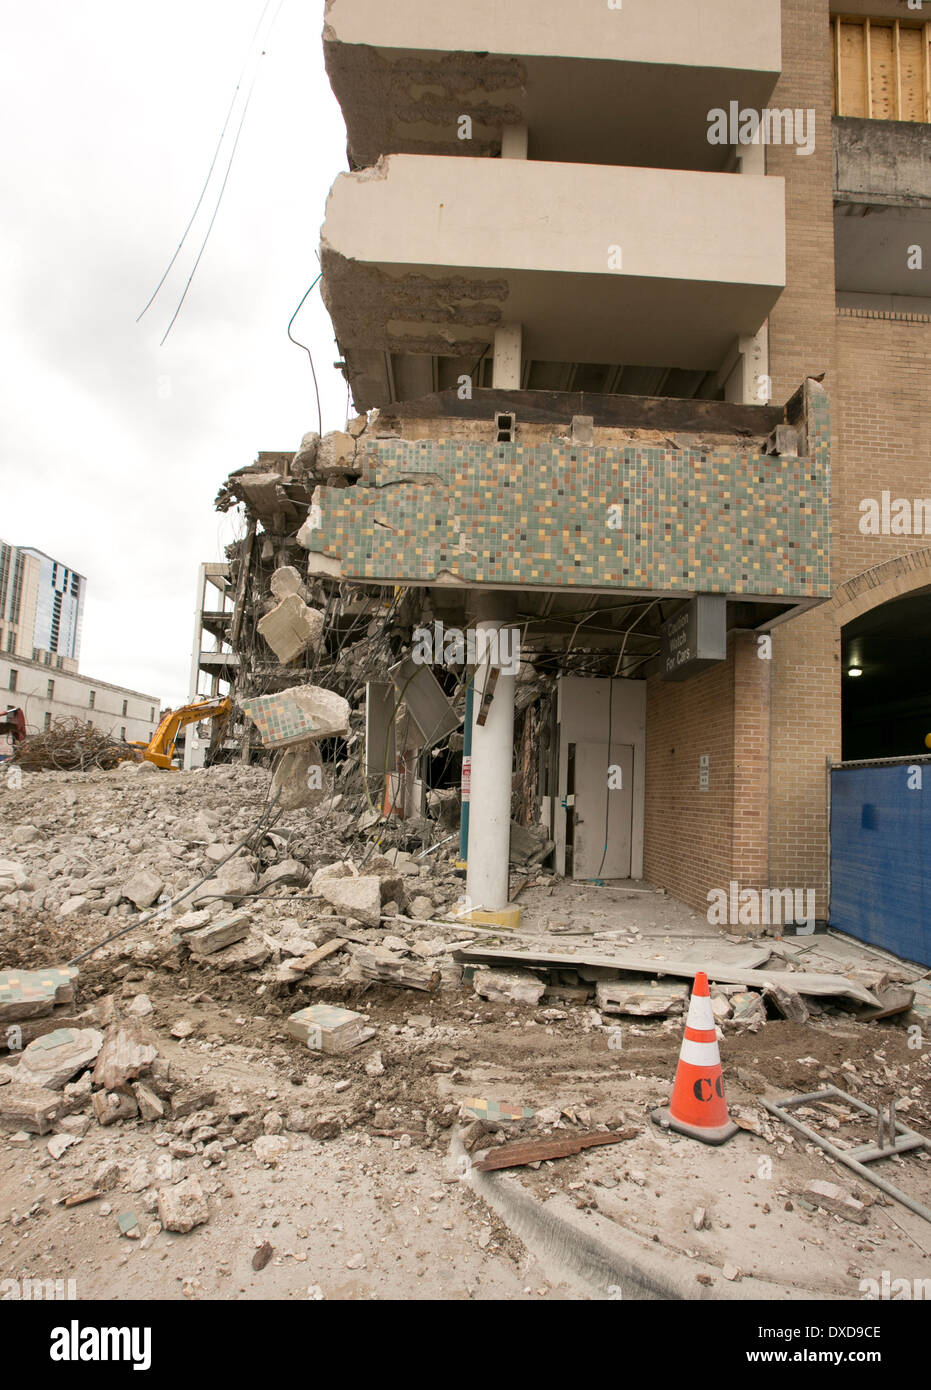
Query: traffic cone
[(698, 1107)]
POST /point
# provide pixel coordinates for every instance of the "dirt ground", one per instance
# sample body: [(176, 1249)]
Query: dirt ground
[(366, 1201)]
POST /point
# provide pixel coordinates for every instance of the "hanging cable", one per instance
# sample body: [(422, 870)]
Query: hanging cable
[(213, 162), (309, 354), (229, 169)]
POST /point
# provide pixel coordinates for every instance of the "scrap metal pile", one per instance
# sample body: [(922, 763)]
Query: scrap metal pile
[(70, 745)]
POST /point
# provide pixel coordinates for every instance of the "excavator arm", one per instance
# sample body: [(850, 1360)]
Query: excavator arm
[(161, 747)]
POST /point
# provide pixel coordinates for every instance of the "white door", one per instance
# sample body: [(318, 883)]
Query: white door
[(603, 810)]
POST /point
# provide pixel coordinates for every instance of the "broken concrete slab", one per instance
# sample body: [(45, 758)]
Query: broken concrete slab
[(291, 628), (125, 1055), (336, 454), (287, 581), (805, 982), (32, 1108), (299, 781), (290, 873), (34, 993), (378, 963), (110, 1106), (788, 1003), (302, 712), (52, 1060), (834, 1199), (226, 931), (642, 998), (326, 1028), (509, 986)]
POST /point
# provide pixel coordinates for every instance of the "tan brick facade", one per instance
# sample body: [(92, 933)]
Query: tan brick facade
[(878, 377)]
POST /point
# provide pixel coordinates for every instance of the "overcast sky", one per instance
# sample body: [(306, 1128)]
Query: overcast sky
[(112, 448)]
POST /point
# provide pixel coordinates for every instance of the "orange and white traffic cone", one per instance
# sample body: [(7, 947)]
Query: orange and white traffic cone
[(698, 1107)]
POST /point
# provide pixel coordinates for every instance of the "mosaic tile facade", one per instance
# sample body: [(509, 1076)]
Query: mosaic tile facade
[(721, 520)]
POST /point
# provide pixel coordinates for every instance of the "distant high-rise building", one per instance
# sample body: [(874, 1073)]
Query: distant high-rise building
[(41, 605)]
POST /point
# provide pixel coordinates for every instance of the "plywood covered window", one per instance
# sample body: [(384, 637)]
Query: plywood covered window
[(882, 68)]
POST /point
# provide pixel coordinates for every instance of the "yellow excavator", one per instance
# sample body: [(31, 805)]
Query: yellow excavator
[(160, 749)]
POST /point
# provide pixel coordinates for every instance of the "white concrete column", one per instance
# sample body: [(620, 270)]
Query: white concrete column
[(490, 797), (506, 373), (515, 142)]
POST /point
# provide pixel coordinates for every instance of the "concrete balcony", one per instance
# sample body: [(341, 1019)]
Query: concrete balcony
[(431, 255), (882, 214), (626, 85)]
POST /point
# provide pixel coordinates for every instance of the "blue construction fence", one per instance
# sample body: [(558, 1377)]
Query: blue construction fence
[(881, 854)]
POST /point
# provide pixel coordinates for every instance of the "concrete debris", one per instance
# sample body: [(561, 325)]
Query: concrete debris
[(52, 1060), (834, 1199), (142, 889), (377, 963), (325, 1028), (295, 715), (287, 581), (642, 998), (355, 897), (124, 1056), (336, 454), (226, 931), (182, 1206), (291, 628), (787, 1002), (509, 986), (111, 1106), (299, 781)]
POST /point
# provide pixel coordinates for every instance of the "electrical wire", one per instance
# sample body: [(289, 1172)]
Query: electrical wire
[(229, 168), (213, 162), (308, 351)]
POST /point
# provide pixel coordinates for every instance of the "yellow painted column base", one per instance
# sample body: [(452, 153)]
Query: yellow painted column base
[(504, 917)]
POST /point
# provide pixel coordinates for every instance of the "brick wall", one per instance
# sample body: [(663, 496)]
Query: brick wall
[(877, 375)]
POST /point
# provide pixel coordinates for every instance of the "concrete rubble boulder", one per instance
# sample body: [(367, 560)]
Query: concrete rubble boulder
[(142, 889), (287, 581), (182, 1206), (12, 876), (327, 1028), (336, 454), (52, 1060), (299, 781), (354, 897), (291, 628), (305, 459), (290, 873)]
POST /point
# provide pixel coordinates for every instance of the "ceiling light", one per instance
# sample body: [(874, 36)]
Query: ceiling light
[(854, 671)]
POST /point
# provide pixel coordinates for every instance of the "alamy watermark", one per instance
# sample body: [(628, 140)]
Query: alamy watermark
[(439, 646), (762, 907), (771, 126), (895, 516)]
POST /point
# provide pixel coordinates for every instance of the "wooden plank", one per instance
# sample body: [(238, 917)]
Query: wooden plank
[(519, 1153), (853, 67), (882, 71), (838, 68), (912, 69), (868, 74), (609, 412), (802, 981)]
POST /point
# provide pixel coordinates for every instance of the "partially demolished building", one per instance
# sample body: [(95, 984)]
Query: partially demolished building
[(582, 530)]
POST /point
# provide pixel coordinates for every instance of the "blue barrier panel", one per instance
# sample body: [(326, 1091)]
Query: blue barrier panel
[(881, 857)]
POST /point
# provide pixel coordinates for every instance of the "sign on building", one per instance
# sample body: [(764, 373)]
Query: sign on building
[(695, 638)]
